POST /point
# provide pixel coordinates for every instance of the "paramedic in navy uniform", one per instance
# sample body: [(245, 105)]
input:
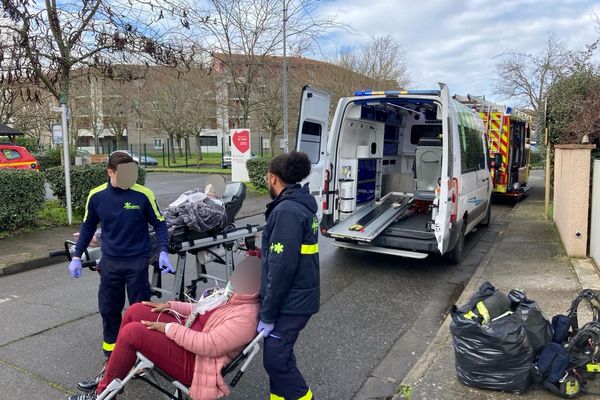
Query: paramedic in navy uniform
[(290, 273), (124, 209)]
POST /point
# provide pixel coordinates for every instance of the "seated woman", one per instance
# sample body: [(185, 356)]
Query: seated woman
[(214, 332)]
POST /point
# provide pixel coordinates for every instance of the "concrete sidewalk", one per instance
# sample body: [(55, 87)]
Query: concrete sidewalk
[(528, 255), (26, 251)]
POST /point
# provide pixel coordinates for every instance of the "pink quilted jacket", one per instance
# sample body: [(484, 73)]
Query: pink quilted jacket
[(227, 331)]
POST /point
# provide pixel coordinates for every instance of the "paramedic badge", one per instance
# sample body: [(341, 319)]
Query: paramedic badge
[(276, 248)]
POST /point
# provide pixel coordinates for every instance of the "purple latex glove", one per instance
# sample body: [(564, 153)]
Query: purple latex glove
[(75, 267), (265, 327), (164, 264)]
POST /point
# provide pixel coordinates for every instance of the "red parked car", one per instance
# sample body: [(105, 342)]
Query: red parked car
[(13, 156)]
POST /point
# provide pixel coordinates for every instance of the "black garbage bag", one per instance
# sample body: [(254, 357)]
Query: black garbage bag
[(495, 355), (539, 329)]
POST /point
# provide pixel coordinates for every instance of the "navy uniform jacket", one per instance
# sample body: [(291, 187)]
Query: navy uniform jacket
[(124, 215), (290, 256)]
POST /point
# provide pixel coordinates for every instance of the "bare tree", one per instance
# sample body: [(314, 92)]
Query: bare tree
[(51, 42), (382, 59), (33, 117), (182, 103), (115, 117), (240, 35), (527, 77)]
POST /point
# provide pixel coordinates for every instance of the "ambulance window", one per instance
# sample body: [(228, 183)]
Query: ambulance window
[(310, 142), (471, 149), (424, 131)]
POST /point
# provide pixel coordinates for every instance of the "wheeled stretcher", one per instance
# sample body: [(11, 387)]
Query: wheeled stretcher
[(217, 245)]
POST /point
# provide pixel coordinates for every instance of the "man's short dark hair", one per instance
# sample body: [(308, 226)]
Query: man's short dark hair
[(291, 167), (118, 157)]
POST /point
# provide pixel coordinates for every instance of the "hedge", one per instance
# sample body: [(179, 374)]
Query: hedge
[(49, 158), (257, 168), (23, 195), (83, 179)]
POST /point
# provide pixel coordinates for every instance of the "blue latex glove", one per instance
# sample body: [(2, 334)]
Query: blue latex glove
[(265, 327), (164, 264), (75, 267)]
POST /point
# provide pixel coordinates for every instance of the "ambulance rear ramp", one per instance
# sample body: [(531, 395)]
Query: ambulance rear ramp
[(369, 221)]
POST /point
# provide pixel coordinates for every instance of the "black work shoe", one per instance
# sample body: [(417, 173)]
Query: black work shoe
[(88, 385), (86, 396)]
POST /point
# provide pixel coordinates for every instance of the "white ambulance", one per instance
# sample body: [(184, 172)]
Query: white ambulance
[(399, 172)]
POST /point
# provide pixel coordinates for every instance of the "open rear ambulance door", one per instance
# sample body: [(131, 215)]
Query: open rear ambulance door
[(312, 138), (442, 219)]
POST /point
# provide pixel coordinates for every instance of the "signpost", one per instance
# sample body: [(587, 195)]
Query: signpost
[(240, 153), (64, 139), (57, 137)]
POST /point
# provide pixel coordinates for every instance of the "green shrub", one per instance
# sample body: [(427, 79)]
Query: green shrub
[(83, 179), (23, 194), (537, 158), (55, 214), (257, 168), (49, 158)]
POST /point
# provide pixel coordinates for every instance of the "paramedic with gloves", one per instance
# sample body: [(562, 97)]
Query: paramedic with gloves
[(290, 273), (124, 209)]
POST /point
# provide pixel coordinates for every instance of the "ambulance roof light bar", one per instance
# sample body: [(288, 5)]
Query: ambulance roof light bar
[(396, 92)]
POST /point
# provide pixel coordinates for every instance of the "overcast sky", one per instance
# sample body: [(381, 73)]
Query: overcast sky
[(455, 41)]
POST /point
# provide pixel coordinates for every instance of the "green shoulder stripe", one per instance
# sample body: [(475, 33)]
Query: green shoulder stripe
[(150, 195), (95, 190)]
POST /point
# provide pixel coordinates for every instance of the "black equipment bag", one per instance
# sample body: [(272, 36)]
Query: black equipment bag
[(563, 363), (496, 354), (539, 330)]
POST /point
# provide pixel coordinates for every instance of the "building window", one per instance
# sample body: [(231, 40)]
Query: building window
[(208, 140), (139, 124), (158, 143)]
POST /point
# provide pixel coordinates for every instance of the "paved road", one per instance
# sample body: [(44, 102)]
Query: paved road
[(51, 330)]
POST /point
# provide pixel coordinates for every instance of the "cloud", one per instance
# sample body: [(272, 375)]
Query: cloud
[(457, 42)]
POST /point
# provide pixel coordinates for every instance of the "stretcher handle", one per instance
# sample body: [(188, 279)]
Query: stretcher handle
[(90, 264)]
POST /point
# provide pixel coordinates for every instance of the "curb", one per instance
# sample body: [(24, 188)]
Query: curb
[(442, 336), (26, 265), (44, 261)]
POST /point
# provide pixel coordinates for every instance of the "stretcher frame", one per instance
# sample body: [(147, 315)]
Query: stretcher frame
[(230, 240)]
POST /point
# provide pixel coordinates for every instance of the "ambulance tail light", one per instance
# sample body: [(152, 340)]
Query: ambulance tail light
[(326, 191), (453, 199)]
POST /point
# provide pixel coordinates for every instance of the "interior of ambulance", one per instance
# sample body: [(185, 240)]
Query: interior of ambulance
[(387, 167)]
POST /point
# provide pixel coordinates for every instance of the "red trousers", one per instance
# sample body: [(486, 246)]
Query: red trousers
[(164, 353)]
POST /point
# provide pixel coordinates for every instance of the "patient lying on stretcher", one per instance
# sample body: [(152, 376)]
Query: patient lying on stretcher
[(199, 210), (191, 342)]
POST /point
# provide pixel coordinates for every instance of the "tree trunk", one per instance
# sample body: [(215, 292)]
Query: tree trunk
[(172, 150), (96, 145), (272, 137)]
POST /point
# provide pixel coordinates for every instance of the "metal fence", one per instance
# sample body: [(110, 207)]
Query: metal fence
[(595, 222)]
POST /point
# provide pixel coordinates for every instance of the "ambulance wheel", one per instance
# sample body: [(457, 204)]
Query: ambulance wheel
[(455, 255), (488, 216)]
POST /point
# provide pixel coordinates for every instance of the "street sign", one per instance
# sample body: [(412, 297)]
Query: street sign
[(57, 136), (240, 153)]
